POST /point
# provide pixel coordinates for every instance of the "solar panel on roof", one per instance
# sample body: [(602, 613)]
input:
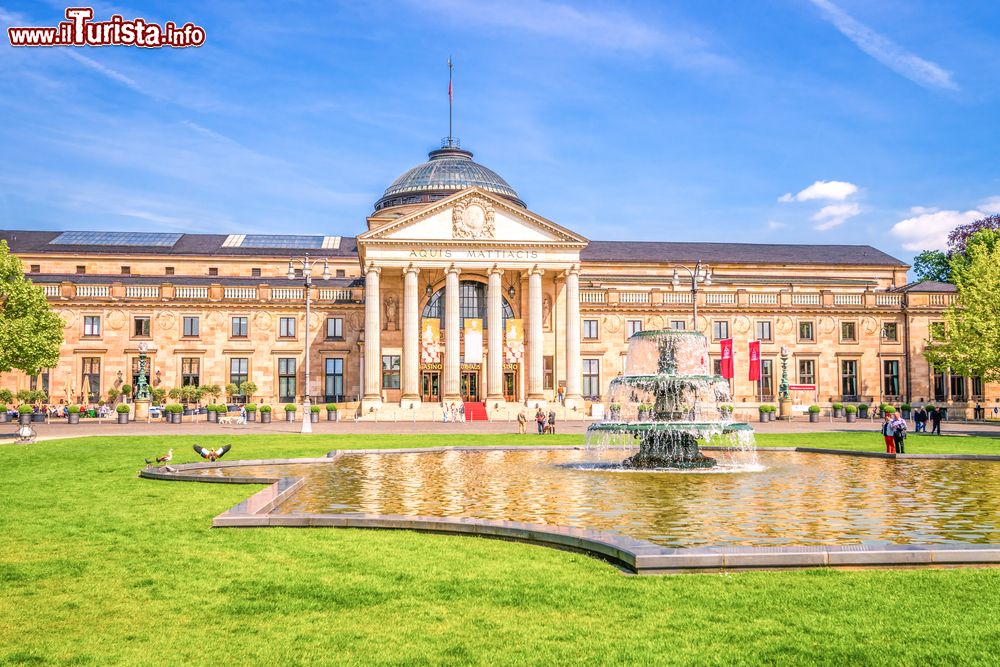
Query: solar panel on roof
[(281, 241), (157, 239)]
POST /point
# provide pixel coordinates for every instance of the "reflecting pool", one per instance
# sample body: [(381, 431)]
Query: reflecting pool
[(791, 499)]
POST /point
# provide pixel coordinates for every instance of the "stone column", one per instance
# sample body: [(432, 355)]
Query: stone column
[(494, 313), (373, 347), (574, 367), (535, 339), (411, 337), (452, 329)]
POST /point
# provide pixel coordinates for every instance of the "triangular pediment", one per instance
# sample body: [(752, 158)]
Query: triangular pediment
[(473, 216)]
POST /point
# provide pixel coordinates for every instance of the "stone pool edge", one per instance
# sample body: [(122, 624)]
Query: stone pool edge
[(637, 556)]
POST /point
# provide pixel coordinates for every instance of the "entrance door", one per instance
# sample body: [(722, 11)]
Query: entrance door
[(470, 386), (430, 387), (510, 386)]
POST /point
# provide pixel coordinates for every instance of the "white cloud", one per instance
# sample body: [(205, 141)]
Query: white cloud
[(929, 231), (991, 205), (884, 50), (835, 190), (113, 74), (775, 225), (830, 216)]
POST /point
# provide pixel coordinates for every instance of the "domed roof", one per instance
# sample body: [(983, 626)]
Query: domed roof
[(449, 170)]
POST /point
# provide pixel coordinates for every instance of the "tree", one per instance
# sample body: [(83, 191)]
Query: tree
[(248, 389), (971, 344), (932, 265), (30, 333), (959, 237)]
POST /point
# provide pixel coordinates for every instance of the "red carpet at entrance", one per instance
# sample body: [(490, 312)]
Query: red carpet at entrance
[(475, 412)]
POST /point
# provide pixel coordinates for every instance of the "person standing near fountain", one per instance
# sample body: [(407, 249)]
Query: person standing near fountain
[(888, 434), (540, 420), (899, 433)]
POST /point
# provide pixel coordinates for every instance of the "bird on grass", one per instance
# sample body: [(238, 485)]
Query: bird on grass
[(162, 460), (212, 454)]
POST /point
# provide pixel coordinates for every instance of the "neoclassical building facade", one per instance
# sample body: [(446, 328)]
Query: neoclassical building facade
[(457, 292)]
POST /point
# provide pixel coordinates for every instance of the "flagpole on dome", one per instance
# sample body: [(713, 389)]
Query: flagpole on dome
[(451, 140)]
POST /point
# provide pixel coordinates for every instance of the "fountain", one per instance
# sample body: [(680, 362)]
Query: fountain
[(669, 402)]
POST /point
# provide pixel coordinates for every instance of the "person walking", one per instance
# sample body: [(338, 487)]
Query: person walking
[(522, 420), (920, 419), (562, 395), (887, 436), (935, 421), (552, 421), (899, 433), (461, 412), (540, 420)]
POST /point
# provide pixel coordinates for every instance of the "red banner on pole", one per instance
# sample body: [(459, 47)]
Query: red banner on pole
[(755, 360), (726, 362)]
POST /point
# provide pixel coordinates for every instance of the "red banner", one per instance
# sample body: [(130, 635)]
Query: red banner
[(755, 360), (726, 361)]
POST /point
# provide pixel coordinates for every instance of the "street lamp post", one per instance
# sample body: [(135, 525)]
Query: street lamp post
[(702, 274), (307, 265)]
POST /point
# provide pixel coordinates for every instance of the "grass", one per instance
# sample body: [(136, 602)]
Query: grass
[(916, 443), (100, 567)]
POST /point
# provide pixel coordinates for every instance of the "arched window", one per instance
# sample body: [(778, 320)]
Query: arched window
[(471, 304)]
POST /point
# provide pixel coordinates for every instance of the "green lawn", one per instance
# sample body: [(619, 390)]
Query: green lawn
[(916, 443), (100, 567)]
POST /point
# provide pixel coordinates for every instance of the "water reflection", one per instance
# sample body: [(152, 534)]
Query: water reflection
[(798, 499)]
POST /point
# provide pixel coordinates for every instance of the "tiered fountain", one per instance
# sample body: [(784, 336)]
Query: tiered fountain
[(669, 401)]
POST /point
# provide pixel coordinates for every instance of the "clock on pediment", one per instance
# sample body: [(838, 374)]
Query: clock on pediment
[(473, 218)]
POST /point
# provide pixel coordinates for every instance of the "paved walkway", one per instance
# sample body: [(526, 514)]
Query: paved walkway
[(60, 429)]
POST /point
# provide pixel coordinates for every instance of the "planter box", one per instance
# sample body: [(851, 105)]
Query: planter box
[(24, 420), (851, 418), (123, 418), (175, 417), (73, 418), (4, 417), (813, 417), (213, 417), (252, 416), (187, 412), (906, 414), (265, 418), (38, 417), (771, 416), (314, 417), (763, 417), (289, 416), (331, 415), (838, 412), (863, 413)]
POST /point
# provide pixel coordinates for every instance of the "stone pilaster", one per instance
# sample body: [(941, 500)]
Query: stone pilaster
[(535, 340), (574, 368), (494, 313), (411, 337), (452, 330), (373, 348)]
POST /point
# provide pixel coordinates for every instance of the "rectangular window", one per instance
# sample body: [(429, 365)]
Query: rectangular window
[(213, 271), (92, 376), (940, 388), (91, 325), (240, 327), (36, 268), (190, 371), (390, 371), (239, 370), (340, 273), (890, 379), (848, 332), (633, 327), (590, 329), (286, 380), (678, 325), (548, 373), (333, 380), (977, 387), (591, 379), (958, 387), (191, 326), (40, 379), (286, 327), (849, 380), (807, 331), (765, 387), (890, 332), (168, 271), (126, 270), (937, 330), (255, 273), (720, 330), (80, 268), (807, 371), (141, 326), (335, 328), (763, 330), (716, 366)]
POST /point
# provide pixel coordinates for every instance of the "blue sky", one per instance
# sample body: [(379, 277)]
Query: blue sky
[(830, 121)]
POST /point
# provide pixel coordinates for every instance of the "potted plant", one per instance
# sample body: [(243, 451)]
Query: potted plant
[(616, 411), (814, 413), (122, 411), (212, 390), (314, 413), (643, 411), (158, 395), (232, 391), (248, 389), (838, 409), (174, 411), (4, 417), (24, 414), (212, 411), (763, 410), (772, 413), (331, 412), (251, 409), (906, 408), (290, 409), (6, 398), (726, 409), (863, 410), (126, 391), (72, 414), (889, 410), (113, 395), (265, 414), (852, 413)]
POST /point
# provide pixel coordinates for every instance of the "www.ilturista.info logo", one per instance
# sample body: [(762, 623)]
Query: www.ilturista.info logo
[(80, 30)]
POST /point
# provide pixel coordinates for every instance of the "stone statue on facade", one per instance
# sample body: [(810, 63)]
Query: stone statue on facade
[(391, 313)]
